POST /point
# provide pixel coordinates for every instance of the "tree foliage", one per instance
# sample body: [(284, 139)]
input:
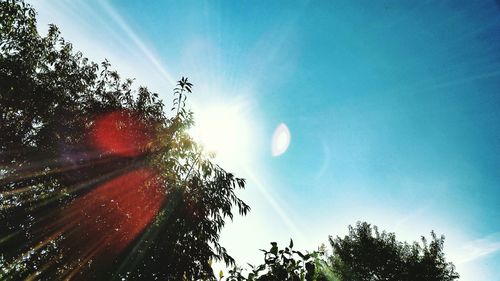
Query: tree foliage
[(96, 180), (365, 254), (287, 265)]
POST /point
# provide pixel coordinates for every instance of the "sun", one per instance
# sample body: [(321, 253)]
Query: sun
[(224, 129)]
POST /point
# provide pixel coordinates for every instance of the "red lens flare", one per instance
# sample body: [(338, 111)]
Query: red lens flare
[(118, 210), (122, 133), (99, 225)]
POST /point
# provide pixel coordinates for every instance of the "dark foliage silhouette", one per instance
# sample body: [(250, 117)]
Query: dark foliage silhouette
[(367, 254), (286, 264), (96, 181), (364, 254)]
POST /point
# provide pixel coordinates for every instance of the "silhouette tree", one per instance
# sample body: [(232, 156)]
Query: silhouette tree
[(367, 254), (96, 181), (364, 254), (286, 265)]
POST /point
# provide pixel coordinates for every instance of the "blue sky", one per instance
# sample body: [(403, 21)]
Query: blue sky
[(393, 109)]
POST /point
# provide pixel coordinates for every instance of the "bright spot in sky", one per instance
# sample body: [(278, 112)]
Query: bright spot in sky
[(225, 130), (281, 140)]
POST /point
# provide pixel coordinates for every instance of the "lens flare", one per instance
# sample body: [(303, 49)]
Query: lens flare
[(121, 133), (108, 200), (99, 225), (281, 140), (119, 209)]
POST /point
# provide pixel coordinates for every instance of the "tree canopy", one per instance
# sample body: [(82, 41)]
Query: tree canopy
[(97, 181), (287, 265), (365, 254)]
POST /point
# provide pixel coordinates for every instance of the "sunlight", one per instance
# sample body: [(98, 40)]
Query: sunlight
[(224, 129)]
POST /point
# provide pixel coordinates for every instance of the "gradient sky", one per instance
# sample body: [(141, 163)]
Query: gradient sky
[(393, 109)]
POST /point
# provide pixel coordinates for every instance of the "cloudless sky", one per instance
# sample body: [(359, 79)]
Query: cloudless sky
[(393, 109)]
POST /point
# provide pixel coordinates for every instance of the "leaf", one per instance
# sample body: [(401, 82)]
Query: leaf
[(300, 254), (274, 248)]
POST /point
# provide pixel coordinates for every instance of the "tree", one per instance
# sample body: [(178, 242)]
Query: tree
[(96, 181), (286, 265), (365, 254)]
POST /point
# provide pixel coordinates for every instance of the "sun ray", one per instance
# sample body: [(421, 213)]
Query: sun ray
[(137, 41)]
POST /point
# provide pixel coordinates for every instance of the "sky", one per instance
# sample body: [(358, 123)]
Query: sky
[(393, 110)]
